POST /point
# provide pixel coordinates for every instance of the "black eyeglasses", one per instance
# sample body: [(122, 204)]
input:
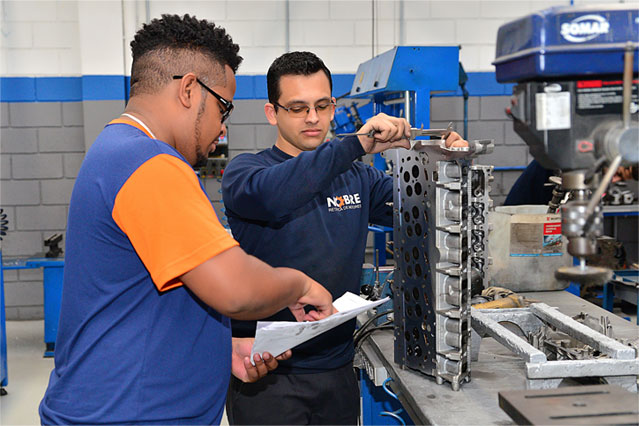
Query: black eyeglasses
[(228, 105), (298, 111)]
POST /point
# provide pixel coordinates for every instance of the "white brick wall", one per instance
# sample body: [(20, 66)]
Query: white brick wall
[(417, 9), (39, 38), (254, 10), (455, 9), (431, 32), (318, 10), (17, 35), (212, 10), (101, 34), (92, 37)]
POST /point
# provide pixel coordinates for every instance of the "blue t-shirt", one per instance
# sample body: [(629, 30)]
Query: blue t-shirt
[(530, 187), (134, 345), (310, 213)]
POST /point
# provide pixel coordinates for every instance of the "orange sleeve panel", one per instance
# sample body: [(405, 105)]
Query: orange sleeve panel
[(169, 220)]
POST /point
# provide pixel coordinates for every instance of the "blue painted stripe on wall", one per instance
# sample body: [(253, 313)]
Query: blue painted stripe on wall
[(244, 87), (259, 87), (104, 87), (116, 87), (54, 89), (17, 89)]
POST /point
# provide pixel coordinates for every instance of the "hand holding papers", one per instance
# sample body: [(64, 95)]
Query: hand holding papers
[(276, 337)]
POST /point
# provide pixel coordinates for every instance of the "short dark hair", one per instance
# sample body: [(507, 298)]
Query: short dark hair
[(174, 45), (293, 63)]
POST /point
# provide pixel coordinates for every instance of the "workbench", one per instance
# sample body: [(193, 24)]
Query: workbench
[(53, 269), (497, 369)]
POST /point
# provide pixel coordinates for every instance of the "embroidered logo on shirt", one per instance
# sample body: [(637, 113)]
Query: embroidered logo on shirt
[(344, 202)]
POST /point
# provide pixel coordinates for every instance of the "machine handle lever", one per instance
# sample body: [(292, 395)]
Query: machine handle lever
[(596, 197), (627, 83)]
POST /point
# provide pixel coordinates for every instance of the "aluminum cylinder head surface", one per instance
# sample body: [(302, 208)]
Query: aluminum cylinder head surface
[(440, 231)]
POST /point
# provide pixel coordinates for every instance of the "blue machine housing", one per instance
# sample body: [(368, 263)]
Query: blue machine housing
[(566, 41), (419, 70)]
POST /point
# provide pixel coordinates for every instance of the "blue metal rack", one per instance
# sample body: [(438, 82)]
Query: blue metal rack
[(52, 283)]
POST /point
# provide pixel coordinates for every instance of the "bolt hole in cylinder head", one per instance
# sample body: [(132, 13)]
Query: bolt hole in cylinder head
[(416, 293), (418, 351)]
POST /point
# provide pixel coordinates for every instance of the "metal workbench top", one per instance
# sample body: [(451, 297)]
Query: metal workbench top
[(497, 370)]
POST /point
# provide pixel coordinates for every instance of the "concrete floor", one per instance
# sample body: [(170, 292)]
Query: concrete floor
[(28, 374)]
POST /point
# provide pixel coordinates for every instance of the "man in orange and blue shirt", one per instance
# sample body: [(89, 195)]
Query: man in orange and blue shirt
[(151, 277)]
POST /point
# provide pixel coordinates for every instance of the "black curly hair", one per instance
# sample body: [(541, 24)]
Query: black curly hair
[(293, 63), (175, 45)]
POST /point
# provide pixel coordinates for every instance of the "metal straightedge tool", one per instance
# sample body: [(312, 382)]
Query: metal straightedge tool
[(414, 133), (474, 147)]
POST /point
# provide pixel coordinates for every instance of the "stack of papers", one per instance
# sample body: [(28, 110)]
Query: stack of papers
[(276, 337)]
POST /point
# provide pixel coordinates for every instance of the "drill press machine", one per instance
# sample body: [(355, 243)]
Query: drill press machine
[(576, 106)]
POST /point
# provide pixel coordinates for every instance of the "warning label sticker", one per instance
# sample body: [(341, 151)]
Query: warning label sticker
[(535, 239), (552, 228), (603, 97)]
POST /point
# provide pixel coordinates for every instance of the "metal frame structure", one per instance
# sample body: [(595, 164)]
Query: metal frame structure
[(620, 365)]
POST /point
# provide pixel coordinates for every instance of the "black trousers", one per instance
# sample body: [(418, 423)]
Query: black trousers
[(328, 398)]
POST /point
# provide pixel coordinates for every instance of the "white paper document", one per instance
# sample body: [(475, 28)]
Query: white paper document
[(276, 337)]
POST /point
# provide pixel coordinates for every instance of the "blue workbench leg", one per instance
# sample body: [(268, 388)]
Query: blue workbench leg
[(375, 401), (52, 298), (4, 375), (380, 247), (608, 296)]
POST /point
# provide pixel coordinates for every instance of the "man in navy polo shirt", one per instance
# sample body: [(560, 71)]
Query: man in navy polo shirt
[(306, 204)]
